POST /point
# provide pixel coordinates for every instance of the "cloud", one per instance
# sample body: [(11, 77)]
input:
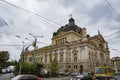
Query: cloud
[(1, 23), (94, 15)]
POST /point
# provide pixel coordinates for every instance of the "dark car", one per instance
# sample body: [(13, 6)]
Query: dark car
[(67, 73), (60, 73), (105, 78)]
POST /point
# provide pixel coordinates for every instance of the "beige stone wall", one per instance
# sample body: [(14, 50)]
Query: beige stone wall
[(65, 37), (75, 53), (115, 63)]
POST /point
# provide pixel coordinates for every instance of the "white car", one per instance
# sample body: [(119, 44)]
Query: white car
[(4, 70), (117, 72)]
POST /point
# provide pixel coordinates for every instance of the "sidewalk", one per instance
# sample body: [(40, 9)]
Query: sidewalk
[(6, 76), (58, 78)]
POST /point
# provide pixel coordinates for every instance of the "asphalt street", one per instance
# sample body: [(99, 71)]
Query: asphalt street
[(6, 76), (10, 75)]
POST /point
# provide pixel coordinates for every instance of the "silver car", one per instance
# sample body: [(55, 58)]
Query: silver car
[(82, 77)]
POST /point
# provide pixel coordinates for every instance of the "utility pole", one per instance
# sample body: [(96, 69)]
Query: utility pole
[(21, 60), (21, 53), (35, 45)]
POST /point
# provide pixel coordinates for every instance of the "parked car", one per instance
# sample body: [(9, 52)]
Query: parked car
[(82, 77), (4, 71), (117, 72), (27, 77), (61, 73), (105, 78), (74, 73), (67, 73)]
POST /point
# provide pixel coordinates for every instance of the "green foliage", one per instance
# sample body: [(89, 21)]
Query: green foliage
[(53, 67), (38, 69), (4, 56), (29, 68), (14, 63), (25, 69)]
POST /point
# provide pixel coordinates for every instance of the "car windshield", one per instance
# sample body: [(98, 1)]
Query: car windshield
[(100, 70)]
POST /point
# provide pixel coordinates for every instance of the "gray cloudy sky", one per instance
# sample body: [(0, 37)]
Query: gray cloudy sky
[(93, 14)]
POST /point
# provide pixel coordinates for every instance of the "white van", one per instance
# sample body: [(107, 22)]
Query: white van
[(4, 70)]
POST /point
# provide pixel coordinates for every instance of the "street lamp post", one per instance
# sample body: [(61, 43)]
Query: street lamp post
[(21, 54), (21, 58), (35, 45)]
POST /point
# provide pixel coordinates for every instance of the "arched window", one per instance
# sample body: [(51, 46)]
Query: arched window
[(55, 54), (75, 57), (56, 41), (65, 39), (46, 58), (41, 59), (89, 56), (61, 58), (30, 59), (100, 46), (50, 57)]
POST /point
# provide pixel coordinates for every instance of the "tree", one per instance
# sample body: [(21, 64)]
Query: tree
[(4, 56), (28, 68), (38, 69), (53, 67), (25, 69)]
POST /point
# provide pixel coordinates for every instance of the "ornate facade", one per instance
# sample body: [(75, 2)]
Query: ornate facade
[(74, 49), (115, 62)]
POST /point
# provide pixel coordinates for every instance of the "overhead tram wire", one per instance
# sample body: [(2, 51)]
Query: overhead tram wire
[(111, 34), (15, 33), (33, 16), (7, 25), (112, 8), (10, 45), (115, 38), (32, 13), (114, 11), (117, 50), (2, 20), (12, 7), (42, 42)]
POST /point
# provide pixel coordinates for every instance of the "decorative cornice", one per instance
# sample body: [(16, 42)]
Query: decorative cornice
[(61, 34)]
